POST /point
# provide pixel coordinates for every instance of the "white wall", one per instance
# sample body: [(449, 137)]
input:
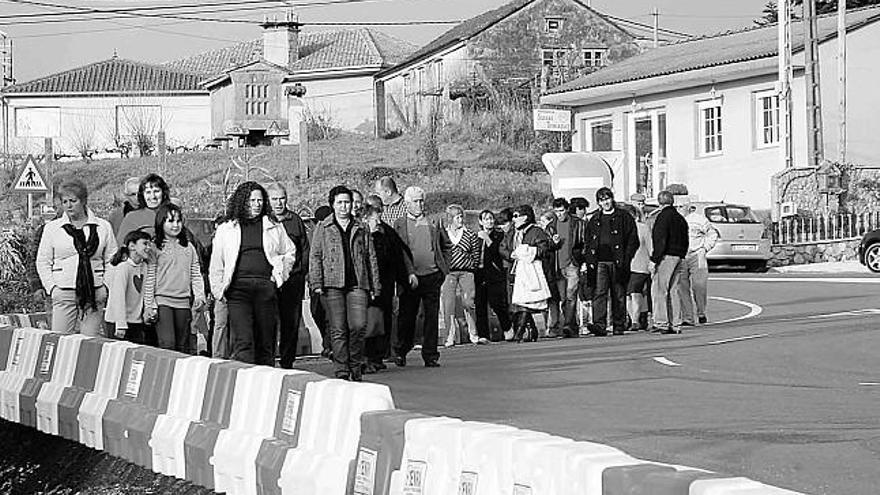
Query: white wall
[(186, 120), (349, 101)]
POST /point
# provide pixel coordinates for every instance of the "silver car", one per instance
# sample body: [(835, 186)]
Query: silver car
[(743, 239)]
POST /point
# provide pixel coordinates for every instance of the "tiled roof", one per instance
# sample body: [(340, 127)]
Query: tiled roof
[(115, 75), (711, 51), (472, 27), (321, 50)]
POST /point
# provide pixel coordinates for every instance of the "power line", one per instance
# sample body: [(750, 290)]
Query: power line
[(135, 9), (646, 26)]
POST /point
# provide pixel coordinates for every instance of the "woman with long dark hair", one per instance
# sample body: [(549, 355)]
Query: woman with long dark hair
[(252, 257), (524, 245), (344, 270), (153, 192)]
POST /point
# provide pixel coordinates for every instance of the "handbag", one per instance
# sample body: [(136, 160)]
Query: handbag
[(529, 284)]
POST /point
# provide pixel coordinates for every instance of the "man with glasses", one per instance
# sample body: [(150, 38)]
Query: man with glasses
[(130, 203), (568, 242)]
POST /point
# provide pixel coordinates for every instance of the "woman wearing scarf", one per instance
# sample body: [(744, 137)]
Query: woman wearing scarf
[(73, 255), (527, 246)]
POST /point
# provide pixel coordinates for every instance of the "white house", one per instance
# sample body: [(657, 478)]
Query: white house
[(704, 112)]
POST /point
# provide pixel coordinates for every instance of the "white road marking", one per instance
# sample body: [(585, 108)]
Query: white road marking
[(738, 339), (870, 384), (836, 280), (855, 312), (664, 361), (754, 310)]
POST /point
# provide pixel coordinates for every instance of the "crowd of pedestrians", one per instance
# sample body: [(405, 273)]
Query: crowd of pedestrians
[(376, 267)]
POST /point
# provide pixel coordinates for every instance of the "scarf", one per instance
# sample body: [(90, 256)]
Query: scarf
[(85, 279)]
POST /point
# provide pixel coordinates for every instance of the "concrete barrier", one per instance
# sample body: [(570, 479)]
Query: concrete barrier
[(22, 365), (84, 379), (63, 373), (114, 358), (380, 450), (54, 362)]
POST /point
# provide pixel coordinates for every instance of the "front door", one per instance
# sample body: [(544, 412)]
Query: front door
[(646, 151)]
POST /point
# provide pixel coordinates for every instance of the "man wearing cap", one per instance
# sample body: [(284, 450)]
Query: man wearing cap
[(638, 200), (612, 241)]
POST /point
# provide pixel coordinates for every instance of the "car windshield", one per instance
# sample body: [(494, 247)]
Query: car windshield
[(731, 214)]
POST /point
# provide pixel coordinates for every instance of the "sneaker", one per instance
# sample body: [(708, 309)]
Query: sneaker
[(688, 324), (400, 361), (449, 344), (482, 341), (669, 331), (703, 320), (417, 347)]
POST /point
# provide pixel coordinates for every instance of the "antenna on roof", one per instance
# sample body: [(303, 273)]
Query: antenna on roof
[(115, 54)]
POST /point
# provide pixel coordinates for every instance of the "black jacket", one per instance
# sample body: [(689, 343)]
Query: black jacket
[(395, 261), (296, 230), (670, 234), (578, 239), (624, 241), (494, 268)]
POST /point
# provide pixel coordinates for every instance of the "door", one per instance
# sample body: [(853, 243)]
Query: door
[(646, 152)]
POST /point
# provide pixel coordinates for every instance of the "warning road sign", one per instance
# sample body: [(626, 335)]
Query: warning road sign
[(30, 180)]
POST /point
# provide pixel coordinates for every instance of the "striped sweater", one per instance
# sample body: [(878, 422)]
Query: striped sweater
[(463, 250), (175, 278)]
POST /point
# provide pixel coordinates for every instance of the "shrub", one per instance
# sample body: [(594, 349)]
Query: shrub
[(677, 189), (506, 158), (322, 124), (16, 255)]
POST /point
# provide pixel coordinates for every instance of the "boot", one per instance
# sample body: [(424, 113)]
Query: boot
[(519, 326)]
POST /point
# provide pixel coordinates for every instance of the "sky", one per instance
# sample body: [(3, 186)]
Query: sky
[(43, 49)]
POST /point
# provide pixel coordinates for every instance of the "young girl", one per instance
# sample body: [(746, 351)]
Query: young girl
[(175, 286), (125, 300)]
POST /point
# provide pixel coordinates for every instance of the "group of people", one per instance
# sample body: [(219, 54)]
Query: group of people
[(372, 266)]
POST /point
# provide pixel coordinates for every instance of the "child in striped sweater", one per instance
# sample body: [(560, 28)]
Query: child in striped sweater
[(125, 280), (175, 286)]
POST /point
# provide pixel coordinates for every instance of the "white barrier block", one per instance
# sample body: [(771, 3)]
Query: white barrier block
[(329, 434), (533, 470), (252, 420), (184, 406), (62, 377), (91, 411), (22, 364), (415, 473), (735, 486), (479, 465)]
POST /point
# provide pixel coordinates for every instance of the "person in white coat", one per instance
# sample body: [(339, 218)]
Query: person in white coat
[(694, 284), (252, 257), (72, 258)]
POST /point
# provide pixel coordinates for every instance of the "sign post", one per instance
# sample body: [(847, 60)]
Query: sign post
[(30, 181)]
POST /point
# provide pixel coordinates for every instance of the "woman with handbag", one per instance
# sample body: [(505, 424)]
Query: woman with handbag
[(527, 247)]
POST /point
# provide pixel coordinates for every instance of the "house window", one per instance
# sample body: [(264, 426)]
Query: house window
[(710, 127), (594, 57), (600, 135), (552, 25), (766, 119), (138, 120), (420, 74), (555, 60), (407, 84), (256, 99), (438, 74), (38, 122)]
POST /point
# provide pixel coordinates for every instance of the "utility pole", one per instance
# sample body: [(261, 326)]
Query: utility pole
[(841, 78), (815, 144), (656, 15), (784, 82)]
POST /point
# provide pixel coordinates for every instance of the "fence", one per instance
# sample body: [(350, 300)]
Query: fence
[(824, 228)]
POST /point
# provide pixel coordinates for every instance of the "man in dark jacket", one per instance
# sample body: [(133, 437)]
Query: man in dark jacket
[(568, 242), (670, 236), (424, 245), (612, 241), (290, 297)]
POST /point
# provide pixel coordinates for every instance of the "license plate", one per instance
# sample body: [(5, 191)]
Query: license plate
[(744, 247)]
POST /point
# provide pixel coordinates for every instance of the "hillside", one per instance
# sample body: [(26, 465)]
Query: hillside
[(475, 176)]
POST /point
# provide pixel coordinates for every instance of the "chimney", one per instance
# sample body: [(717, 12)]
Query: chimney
[(281, 40)]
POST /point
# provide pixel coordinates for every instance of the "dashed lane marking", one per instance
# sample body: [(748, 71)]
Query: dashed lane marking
[(754, 310), (666, 362), (738, 339), (870, 384), (818, 280)]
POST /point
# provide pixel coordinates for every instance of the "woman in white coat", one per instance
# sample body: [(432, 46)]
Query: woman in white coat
[(251, 258)]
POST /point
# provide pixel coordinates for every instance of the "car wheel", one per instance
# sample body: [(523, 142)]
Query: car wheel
[(872, 257)]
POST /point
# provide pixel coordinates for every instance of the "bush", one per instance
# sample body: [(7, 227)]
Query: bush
[(17, 249), (505, 158)]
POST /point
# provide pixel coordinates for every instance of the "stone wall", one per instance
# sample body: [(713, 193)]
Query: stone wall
[(800, 185), (814, 252)]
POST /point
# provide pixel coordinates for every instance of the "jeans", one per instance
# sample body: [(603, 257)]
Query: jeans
[(428, 294), (66, 316), (173, 329), (253, 317), (490, 294), (220, 338), (695, 278), (665, 292), (464, 281), (608, 280), (347, 312), (290, 299), (567, 286)]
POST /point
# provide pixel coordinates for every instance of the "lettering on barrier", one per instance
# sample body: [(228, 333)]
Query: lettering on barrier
[(16, 353), (467, 483), (133, 383), (415, 478), (522, 489), (291, 411), (365, 473), (46, 360)]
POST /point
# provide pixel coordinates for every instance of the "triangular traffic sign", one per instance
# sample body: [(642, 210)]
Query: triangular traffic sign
[(31, 179)]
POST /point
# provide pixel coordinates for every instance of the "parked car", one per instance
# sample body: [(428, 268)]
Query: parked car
[(869, 250), (743, 239)]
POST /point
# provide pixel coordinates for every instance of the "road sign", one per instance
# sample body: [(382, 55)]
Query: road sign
[(31, 179), (552, 120)]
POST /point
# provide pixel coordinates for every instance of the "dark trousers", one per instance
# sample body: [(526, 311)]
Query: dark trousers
[(319, 315), (173, 329), (608, 281), (347, 312), (491, 294), (290, 299), (253, 317), (376, 348), (428, 294)]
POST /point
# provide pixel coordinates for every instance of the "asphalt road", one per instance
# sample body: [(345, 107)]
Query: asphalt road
[(788, 394)]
